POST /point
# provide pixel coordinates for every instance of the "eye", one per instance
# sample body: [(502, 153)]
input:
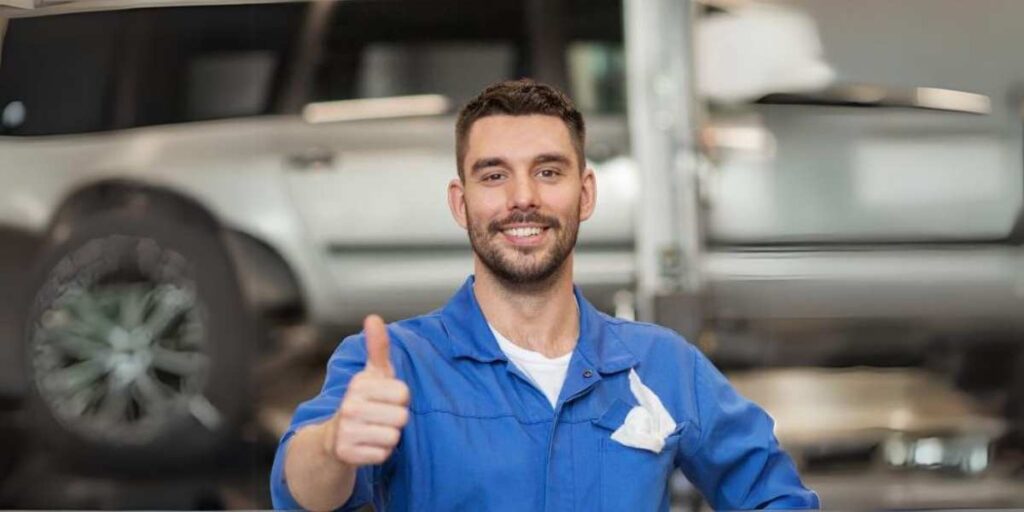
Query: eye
[(548, 173), (494, 176)]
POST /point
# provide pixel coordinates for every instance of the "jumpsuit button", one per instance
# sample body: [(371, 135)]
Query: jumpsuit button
[(587, 374)]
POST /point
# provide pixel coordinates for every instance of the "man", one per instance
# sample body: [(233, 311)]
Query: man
[(518, 395)]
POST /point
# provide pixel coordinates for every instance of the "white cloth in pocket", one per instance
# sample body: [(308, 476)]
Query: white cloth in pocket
[(649, 423)]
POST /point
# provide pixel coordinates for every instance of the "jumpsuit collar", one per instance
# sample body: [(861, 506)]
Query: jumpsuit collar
[(470, 337)]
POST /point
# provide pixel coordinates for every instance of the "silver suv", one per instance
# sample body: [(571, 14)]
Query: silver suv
[(196, 173)]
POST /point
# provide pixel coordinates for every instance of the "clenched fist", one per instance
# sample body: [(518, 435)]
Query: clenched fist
[(367, 426)]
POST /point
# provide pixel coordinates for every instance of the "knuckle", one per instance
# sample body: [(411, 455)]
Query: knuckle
[(403, 393), (381, 455), (345, 411), (351, 409), (403, 417), (344, 430), (394, 435), (361, 380), (341, 453)]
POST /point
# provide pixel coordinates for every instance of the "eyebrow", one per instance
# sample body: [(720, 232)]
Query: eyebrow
[(549, 158), (484, 163), (543, 158)]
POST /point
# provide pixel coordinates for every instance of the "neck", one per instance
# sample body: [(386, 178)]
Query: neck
[(541, 316)]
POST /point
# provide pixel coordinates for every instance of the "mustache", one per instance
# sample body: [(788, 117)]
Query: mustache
[(523, 218)]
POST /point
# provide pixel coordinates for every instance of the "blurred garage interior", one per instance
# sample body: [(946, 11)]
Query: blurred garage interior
[(825, 197)]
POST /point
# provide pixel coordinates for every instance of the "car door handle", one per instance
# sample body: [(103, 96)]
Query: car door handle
[(877, 96), (314, 159)]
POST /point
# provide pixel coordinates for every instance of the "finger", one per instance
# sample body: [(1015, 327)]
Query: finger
[(375, 413), (360, 455), (377, 344), (378, 389), (362, 434)]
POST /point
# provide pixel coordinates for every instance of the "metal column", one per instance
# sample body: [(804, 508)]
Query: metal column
[(663, 122)]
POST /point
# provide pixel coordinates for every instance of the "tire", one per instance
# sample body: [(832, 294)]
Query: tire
[(11, 450), (138, 344), (1015, 403)]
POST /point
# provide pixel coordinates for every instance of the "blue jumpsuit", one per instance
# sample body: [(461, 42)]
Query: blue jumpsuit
[(481, 436)]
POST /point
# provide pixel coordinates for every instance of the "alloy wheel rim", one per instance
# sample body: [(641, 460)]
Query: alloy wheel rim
[(122, 360)]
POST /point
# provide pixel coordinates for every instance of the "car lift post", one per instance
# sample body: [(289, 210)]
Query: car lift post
[(664, 118)]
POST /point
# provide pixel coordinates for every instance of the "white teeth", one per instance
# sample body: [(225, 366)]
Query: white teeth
[(523, 232)]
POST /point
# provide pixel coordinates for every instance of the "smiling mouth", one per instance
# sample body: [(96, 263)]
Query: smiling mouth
[(524, 235)]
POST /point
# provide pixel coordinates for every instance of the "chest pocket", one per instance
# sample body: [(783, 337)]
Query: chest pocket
[(632, 478)]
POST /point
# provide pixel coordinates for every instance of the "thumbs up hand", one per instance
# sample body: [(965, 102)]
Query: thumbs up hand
[(368, 424)]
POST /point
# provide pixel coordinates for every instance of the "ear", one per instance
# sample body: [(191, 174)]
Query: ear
[(588, 194), (457, 201)]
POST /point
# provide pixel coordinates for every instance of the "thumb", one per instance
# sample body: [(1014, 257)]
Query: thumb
[(377, 344)]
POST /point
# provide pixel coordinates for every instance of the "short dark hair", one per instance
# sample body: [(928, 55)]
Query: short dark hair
[(521, 97)]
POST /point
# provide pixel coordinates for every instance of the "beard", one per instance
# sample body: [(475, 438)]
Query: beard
[(524, 266)]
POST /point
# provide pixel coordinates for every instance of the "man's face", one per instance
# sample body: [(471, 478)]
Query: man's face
[(523, 197)]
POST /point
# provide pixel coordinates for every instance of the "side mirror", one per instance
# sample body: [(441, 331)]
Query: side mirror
[(750, 51)]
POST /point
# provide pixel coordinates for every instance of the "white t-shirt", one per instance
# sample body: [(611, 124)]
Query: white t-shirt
[(547, 373)]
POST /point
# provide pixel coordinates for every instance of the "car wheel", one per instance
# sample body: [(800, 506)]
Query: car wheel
[(1015, 403), (138, 343)]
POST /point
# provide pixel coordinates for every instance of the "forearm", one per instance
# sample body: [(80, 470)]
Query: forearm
[(316, 480)]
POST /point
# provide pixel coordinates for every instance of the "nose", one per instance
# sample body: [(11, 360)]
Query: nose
[(523, 193)]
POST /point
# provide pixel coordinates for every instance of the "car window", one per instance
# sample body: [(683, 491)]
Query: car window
[(57, 75), (378, 48), (597, 76), (96, 71), (212, 62), (393, 48), (595, 58)]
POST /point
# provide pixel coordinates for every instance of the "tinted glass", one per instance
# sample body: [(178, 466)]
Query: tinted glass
[(385, 48), (391, 48), (99, 71), (212, 62), (58, 75)]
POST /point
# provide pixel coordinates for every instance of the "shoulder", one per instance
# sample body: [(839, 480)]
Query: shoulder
[(647, 340), (418, 333), (411, 337)]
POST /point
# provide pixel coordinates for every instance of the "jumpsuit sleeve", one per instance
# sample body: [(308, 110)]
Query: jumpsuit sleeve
[(348, 359), (733, 457)]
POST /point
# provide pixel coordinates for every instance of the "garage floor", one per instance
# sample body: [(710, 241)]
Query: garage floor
[(240, 480)]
